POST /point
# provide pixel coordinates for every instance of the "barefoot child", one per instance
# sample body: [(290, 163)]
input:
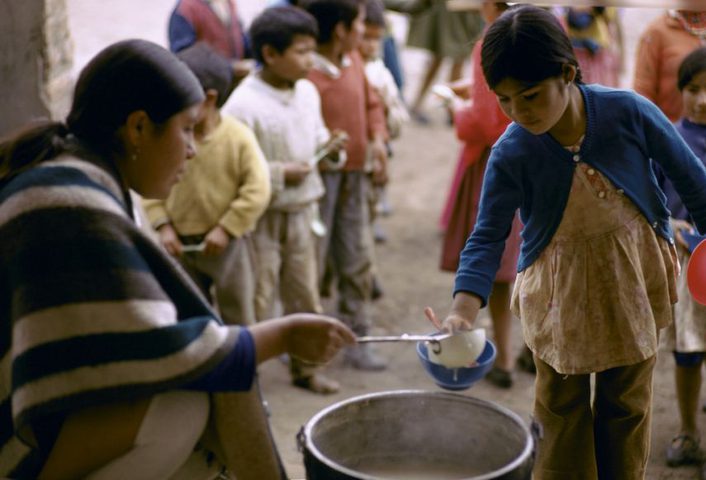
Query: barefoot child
[(597, 265), (283, 108), (349, 103)]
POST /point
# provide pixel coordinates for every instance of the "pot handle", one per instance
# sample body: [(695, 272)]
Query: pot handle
[(537, 432), (301, 440)]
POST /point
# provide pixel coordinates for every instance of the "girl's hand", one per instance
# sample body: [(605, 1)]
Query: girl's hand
[(464, 310), (453, 323), (678, 226), (216, 241), (169, 238), (316, 338)]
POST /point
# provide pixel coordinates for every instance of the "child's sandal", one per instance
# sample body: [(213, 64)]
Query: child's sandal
[(684, 450)]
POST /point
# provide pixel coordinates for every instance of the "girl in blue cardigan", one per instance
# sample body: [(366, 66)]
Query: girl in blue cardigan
[(597, 268)]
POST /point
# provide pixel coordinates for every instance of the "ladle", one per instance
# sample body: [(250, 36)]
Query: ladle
[(406, 337)]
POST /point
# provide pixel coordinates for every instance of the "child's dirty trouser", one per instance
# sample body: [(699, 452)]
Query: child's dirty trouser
[(609, 440)]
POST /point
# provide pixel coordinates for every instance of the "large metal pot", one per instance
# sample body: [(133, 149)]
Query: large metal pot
[(416, 434)]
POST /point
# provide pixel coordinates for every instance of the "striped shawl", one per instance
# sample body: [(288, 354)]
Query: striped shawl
[(91, 310)]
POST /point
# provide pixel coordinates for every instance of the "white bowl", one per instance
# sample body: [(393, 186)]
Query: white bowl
[(459, 350)]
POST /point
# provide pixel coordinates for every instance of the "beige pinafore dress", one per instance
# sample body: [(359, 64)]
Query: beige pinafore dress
[(602, 289)]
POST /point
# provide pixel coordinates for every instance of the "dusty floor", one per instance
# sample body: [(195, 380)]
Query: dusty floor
[(424, 160)]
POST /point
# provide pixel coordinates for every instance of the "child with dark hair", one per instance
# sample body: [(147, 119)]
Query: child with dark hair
[(597, 265), (284, 111), (376, 72), (206, 219), (350, 104), (280, 27), (381, 79), (687, 336)]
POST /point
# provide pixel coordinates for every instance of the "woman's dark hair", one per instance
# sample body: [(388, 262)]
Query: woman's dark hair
[(212, 69), (375, 13), (329, 13), (692, 65), (277, 28), (528, 44), (125, 77)]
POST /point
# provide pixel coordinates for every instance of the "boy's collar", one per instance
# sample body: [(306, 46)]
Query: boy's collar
[(326, 66)]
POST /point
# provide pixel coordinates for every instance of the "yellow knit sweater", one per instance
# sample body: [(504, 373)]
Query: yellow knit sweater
[(226, 183)]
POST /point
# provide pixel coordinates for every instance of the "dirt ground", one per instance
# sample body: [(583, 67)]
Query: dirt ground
[(421, 169)]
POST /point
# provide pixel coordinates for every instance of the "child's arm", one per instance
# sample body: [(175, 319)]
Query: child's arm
[(377, 131), (157, 215), (395, 109), (480, 259), (253, 188), (683, 168)]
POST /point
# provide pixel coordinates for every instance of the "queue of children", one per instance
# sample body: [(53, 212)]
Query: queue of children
[(315, 151)]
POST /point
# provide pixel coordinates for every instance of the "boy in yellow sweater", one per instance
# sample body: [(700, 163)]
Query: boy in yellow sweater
[(225, 188)]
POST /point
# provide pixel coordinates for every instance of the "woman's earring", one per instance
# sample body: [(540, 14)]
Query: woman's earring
[(135, 154)]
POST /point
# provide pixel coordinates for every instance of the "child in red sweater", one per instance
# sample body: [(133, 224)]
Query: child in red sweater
[(348, 103)]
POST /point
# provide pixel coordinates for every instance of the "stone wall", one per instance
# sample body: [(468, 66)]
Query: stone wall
[(35, 61)]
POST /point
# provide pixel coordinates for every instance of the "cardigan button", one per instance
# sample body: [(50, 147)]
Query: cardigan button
[(577, 158), (654, 225), (601, 194), (590, 171)]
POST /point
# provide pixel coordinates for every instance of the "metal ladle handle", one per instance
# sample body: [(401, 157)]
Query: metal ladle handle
[(433, 340)]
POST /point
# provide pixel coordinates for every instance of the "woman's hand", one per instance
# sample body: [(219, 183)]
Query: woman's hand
[(305, 336), (316, 338)]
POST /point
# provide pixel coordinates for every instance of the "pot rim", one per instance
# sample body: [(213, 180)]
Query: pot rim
[(308, 444)]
